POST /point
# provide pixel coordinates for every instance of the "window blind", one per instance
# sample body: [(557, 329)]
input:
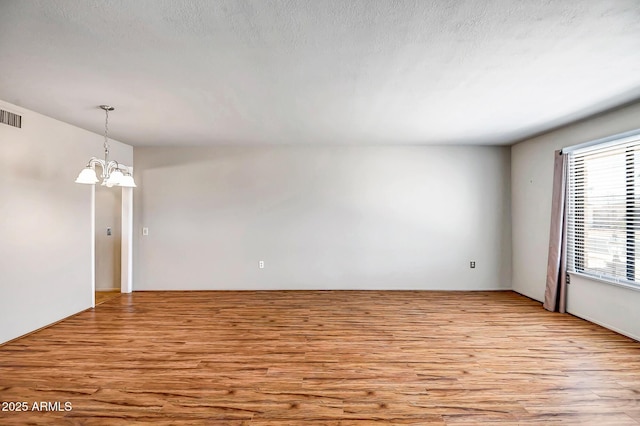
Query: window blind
[(603, 216)]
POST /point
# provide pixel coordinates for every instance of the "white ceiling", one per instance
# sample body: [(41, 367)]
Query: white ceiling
[(312, 71)]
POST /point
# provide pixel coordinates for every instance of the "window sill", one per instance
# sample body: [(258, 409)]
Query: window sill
[(605, 281)]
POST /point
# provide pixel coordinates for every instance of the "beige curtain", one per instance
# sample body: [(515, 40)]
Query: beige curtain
[(555, 295)]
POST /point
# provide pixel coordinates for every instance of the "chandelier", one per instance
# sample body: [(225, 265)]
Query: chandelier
[(113, 173)]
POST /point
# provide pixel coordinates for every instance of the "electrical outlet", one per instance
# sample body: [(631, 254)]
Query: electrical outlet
[(108, 231), (261, 264), (472, 264), (145, 231)]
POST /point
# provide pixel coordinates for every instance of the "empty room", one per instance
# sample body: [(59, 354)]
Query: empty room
[(319, 212)]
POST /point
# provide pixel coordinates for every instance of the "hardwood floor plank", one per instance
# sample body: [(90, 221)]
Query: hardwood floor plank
[(103, 296), (323, 358)]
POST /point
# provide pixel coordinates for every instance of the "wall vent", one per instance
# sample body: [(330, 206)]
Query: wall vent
[(11, 119)]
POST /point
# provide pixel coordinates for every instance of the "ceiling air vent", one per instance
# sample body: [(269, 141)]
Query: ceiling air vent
[(10, 118)]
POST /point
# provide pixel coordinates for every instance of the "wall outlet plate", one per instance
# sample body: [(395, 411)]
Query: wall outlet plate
[(472, 264)]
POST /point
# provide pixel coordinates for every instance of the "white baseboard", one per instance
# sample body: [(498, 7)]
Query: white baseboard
[(605, 325)]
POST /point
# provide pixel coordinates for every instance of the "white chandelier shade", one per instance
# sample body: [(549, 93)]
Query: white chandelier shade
[(113, 173), (87, 176)]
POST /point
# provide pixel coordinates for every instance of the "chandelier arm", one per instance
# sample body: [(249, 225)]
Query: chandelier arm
[(93, 162), (111, 166)]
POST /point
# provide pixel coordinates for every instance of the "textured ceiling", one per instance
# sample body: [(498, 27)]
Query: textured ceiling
[(312, 71)]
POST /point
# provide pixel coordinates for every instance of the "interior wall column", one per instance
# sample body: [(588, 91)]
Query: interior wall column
[(126, 265)]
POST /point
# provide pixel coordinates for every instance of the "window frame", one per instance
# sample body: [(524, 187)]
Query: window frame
[(575, 265)]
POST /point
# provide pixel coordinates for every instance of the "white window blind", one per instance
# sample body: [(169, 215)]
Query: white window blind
[(603, 216)]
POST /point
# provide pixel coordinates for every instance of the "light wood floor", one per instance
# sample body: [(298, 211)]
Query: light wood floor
[(323, 358)]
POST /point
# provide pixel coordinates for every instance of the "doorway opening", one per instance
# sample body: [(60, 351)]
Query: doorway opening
[(108, 241), (112, 242)]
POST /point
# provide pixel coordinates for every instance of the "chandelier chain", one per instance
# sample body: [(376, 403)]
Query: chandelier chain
[(106, 134)]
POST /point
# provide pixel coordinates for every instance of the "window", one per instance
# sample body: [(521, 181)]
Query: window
[(603, 211)]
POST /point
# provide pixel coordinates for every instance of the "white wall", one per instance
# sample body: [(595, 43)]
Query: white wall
[(531, 187), (45, 234), (322, 218), (108, 215)]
